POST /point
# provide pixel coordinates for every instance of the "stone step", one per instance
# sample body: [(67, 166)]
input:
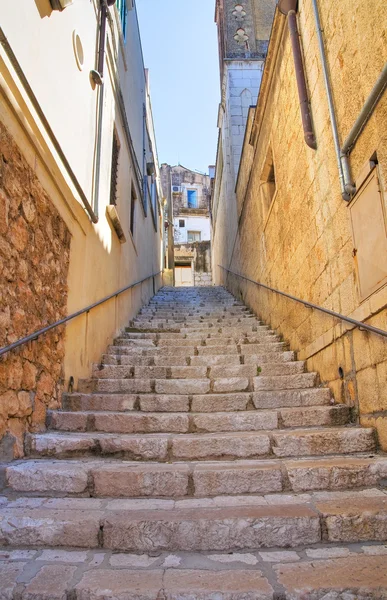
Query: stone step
[(202, 403), (208, 446), (182, 422), (115, 525), (103, 371), (117, 479), (193, 385), (339, 571), (171, 360)]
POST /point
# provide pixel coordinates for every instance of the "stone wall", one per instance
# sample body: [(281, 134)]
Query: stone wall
[(34, 260), (301, 241)]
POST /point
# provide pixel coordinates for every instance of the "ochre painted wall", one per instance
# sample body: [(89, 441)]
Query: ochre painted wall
[(304, 245)]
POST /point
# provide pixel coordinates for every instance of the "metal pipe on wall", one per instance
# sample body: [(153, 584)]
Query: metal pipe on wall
[(306, 116), (347, 187), (366, 112), (289, 8)]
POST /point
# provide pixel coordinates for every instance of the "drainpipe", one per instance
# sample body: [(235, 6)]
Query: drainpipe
[(366, 112), (347, 188), (289, 8)]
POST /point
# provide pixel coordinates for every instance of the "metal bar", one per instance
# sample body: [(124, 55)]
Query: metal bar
[(366, 111), (301, 81), (347, 188), (332, 313), (36, 334), (4, 42)]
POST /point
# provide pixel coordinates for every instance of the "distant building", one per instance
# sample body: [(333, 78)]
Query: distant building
[(189, 192), (243, 36)]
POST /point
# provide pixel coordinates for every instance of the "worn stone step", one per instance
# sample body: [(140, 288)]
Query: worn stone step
[(283, 369), (246, 349), (209, 446), (172, 422), (117, 526), (117, 479), (149, 372), (285, 382), (291, 398), (317, 442)]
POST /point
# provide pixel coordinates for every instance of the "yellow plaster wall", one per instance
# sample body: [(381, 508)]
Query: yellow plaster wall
[(304, 246)]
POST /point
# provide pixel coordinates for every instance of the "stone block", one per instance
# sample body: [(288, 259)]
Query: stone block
[(9, 573), (26, 527), (182, 386), (140, 423), (119, 584), (220, 403), (240, 477), (212, 447), (352, 577), (242, 421), (127, 481), (232, 384), (325, 441), (208, 585), (212, 529), (44, 476)]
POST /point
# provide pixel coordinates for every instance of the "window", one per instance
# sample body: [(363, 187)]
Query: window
[(194, 236), (133, 200), (114, 173), (181, 223), (123, 12), (192, 196), (154, 202), (268, 186)]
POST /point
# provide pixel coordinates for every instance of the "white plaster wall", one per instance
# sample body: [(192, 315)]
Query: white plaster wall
[(243, 80), (201, 224)]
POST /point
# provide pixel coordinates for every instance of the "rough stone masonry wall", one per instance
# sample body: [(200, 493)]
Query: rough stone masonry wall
[(304, 245), (34, 259)]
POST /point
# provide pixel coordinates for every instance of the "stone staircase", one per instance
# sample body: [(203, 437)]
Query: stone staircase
[(201, 462)]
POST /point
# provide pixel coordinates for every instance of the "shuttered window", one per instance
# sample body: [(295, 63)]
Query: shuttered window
[(123, 12)]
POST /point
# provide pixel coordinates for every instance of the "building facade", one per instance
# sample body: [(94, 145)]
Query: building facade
[(80, 196), (310, 220), (189, 192), (243, 34)]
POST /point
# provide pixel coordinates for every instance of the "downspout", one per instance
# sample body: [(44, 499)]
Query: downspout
[(347, 188), (366, 112), (289, 8)]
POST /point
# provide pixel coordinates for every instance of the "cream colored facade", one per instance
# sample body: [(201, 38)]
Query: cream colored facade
[(66, 139), (293, 231)]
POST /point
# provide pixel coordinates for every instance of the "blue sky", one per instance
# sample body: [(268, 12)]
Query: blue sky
[(180, 49)]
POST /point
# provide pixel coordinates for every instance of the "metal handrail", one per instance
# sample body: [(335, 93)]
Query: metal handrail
[(36, 334), (332, 313)]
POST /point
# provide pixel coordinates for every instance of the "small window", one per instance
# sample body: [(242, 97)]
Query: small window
[(181, 223), (133, 201), (194, 236), (114, 173), (268, 186), (192, 196), (123, 12)]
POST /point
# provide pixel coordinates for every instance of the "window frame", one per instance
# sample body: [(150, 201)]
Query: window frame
[(194, 232), (192, 191)]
